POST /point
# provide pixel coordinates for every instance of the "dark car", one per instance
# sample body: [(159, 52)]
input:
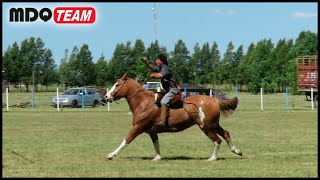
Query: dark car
[(218, 93)]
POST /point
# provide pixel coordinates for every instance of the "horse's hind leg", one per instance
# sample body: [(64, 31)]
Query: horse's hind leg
[(212, 135), (226, 136)]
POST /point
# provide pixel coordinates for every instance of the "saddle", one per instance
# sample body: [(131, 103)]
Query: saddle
[(175, 103)]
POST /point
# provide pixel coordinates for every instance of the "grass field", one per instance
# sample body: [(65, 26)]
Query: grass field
[(275, 142)]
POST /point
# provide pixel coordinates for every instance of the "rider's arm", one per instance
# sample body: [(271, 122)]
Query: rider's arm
[(144, 60), (156, 75)]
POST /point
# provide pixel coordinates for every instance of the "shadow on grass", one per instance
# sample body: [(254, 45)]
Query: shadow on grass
[(183, 158)]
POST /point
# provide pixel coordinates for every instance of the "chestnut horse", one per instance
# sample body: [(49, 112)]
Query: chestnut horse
[(202, 110)]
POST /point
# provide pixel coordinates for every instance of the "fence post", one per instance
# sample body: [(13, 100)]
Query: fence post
[(312, 107), (236, 94), (32, 99), (261, 91), (108, 102), (185, 91), (57, 99), (287, 99), (7, 98), (210, 92), (82, 97)]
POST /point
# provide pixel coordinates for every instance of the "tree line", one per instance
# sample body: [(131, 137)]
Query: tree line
[(265, 64)]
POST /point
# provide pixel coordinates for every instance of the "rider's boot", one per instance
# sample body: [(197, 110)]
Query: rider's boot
[(164, 116)]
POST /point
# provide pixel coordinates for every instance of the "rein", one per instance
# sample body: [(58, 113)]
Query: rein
[(141, 89), (135, 94)]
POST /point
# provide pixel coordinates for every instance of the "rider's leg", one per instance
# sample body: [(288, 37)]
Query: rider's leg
[(164, 115), (165, 105)]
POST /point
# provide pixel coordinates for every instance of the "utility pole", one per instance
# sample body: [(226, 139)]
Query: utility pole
[(33, 78), (154, 21), (32, 103)]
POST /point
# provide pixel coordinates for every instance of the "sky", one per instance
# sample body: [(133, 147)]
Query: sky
[(240, 23)]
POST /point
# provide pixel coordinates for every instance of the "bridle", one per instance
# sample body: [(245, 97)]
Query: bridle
[(125, 82)]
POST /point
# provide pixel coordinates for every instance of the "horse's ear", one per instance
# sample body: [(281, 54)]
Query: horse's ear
[(124, 77)]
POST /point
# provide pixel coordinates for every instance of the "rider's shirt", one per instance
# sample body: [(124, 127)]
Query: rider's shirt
[(168, 81)]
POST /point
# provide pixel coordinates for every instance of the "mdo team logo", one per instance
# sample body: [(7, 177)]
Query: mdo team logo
[(61, 15)]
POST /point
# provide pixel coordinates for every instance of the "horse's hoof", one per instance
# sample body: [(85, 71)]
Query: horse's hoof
[(237, 152), (157, 158), (109, 157), (212, 159)]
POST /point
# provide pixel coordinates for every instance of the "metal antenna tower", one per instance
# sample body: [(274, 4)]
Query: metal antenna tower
[(154, 21)]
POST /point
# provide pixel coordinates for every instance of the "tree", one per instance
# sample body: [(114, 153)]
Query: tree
[(101, 67), (226, 64), (12, 64), (48, 69), (179, 60), (244, 67), (205, 65), (214, 77), (30, 61), (154, 50), (260, 67), (194, 64), (118, 63), (139, 70), (238, 56), (85, 67), (306, 44), (280, 60), (71, 72), (63, 69)]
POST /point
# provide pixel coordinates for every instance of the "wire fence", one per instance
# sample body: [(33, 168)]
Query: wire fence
[(41, 101)]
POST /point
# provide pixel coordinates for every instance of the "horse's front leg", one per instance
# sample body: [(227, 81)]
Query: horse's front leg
[(155, 141), (133, 133)]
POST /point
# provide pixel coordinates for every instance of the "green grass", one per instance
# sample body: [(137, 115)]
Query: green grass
[(46, 143)]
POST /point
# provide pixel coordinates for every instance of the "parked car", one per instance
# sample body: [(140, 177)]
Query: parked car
[(73, 98), (218, 93), (152, 86)]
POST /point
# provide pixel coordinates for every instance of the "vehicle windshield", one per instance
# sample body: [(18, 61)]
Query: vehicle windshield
[(71, 92), (153, 85), (219, 92)]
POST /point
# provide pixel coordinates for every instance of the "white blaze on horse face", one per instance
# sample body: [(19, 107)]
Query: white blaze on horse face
[(111, 90)]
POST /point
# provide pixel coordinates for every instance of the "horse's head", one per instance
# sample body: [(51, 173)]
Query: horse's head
[(118, 90)]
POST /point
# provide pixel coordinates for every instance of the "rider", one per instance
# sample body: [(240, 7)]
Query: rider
[(168, 81)]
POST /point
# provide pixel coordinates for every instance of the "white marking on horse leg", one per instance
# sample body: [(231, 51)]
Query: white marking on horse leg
[(216, 147), (116, 152), (233, 148), (110, 91), (202, 116), (157, 148), (230, 144)]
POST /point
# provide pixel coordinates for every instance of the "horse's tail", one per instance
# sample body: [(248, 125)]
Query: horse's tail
[(228, 106)]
